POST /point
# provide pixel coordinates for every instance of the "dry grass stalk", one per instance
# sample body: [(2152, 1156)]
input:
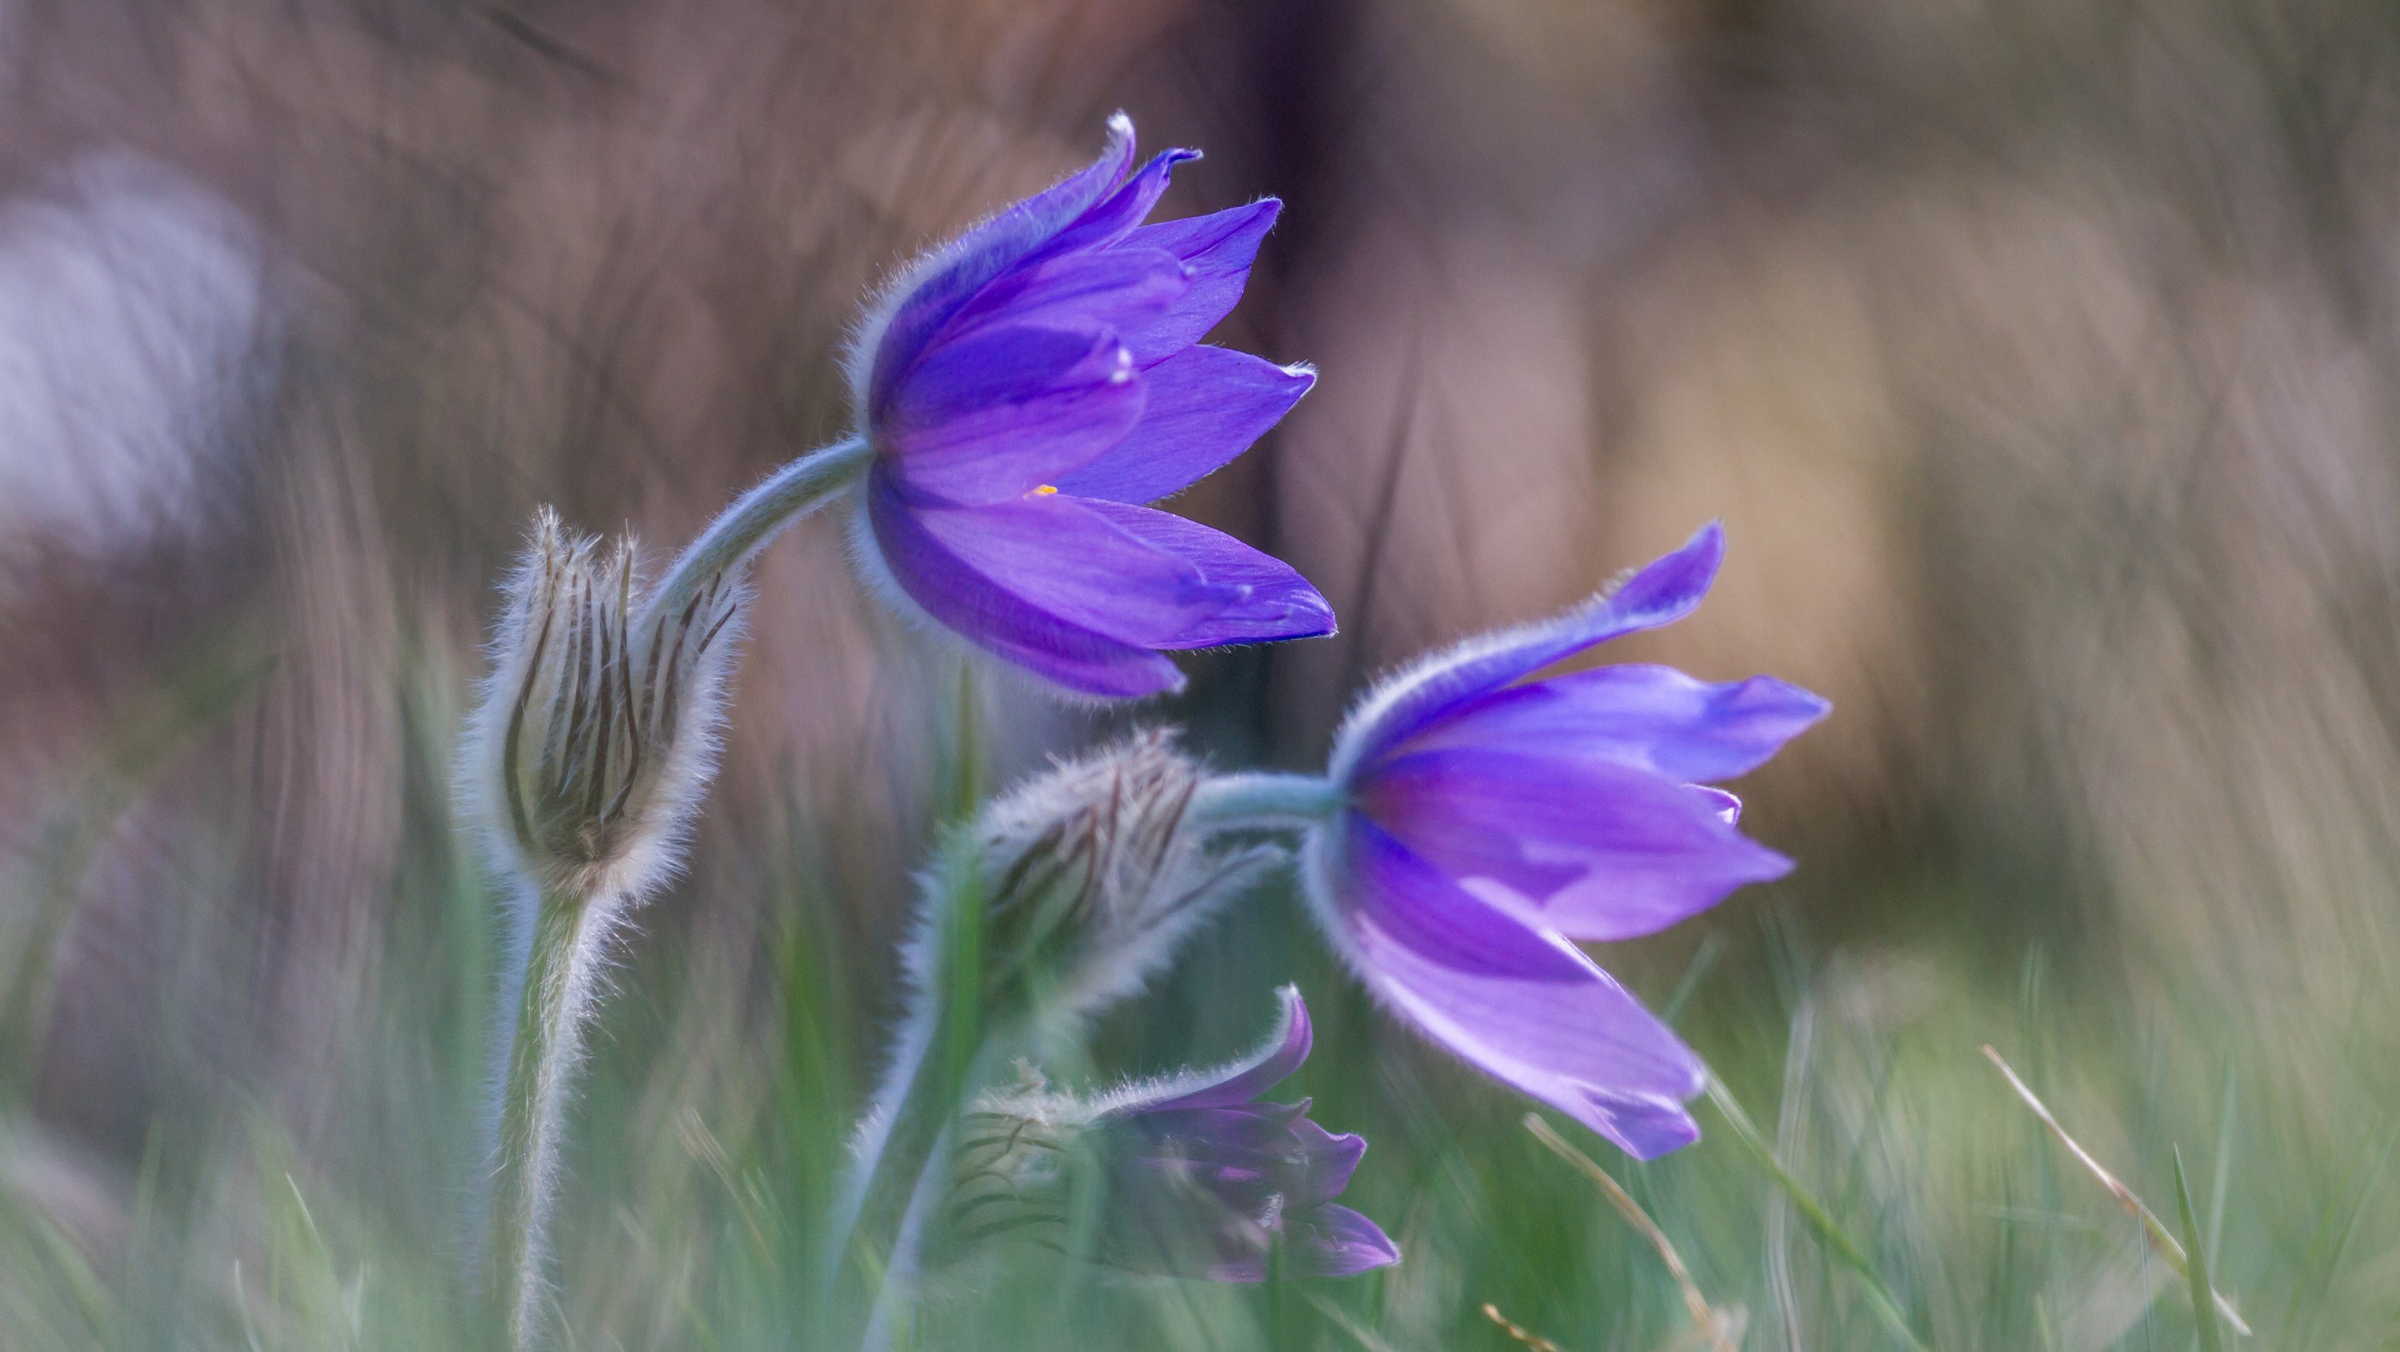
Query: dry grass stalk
[(2152, 1228), (1518, 1331), (1712, 1324)]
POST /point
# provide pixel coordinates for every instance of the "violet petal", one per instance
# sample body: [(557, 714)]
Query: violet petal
[(1661, 593), (1592, 849), (1206, 405), (1007, 409), (1648, 717), (1114, 217), (1283, 1053), (1411, 904), (1334, 1241), (1270, 601), (951, 279), (1578, 1042), (1322, 1165), (1218, 249), (971, 604), (1122, 290)]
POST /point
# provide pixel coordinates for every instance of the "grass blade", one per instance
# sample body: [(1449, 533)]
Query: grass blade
[(2204, 1295), (2153, 1229), (1712, 1330), (1342, 1319), (1831, 1235), (2325, 1251)]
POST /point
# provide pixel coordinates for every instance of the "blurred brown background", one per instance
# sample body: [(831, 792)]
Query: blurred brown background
[(2038, 356)]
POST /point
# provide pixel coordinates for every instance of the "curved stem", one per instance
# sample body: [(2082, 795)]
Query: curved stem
[(554, 1002), (1265, 800), (896, 1114), (939, 1058), (754, 518), (900, 1274)]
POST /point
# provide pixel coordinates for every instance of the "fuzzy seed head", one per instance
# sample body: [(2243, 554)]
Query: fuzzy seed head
[(596, 734), (1093, 872), (1015, 1164)]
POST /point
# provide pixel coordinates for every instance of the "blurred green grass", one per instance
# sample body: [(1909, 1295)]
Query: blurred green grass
[(720, 1094)]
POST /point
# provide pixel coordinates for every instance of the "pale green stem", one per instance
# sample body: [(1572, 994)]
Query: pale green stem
[(891, 1313), (744, 528), (554, 1003), (1265, 800), (941, 1055)]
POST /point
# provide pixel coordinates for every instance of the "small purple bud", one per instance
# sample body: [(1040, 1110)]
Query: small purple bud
[(1194, 1177)]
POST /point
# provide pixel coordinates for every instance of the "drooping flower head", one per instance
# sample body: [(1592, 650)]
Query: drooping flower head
[(1025, 389), (1194, 1177), (1487, 822)]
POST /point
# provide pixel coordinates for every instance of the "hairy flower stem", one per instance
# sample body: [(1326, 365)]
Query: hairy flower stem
[(939, 1057), (744, 528), (1264, 801), (555, 1000)]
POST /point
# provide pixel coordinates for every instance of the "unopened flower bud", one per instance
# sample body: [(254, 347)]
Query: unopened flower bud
[(1092, 873), (596, 733)]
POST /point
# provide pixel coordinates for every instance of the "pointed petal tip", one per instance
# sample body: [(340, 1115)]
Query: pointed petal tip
[(1644, 1129), (1298, 1035), (1335, 1241), (1698, 558), (1728, 806)]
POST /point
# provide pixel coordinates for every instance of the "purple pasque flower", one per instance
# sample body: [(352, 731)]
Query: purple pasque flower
[(1194, 1176), (1204, 1177), (1487, 822), (1025, 389)]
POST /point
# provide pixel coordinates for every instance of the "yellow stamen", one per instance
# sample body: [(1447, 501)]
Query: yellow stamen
[(1045, 490)]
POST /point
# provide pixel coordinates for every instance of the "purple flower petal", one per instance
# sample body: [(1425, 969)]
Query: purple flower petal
[(1651, 718), (1728, 807), (1007, 409), (1068, 561), (1270, 602), (978, 609), (1206, 406), (1204, 1182), (1334, 1241), (937, 288), (1254, 1137), (1284, 1052), (1661, 593), (1002, 367), (1115, 217), (1409, 904), (1322, 1166), (1590, 848), (1564, 1033), (1122, 290), (1218, 248)]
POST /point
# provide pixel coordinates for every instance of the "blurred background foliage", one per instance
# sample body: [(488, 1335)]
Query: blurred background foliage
[(2039, 355)]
